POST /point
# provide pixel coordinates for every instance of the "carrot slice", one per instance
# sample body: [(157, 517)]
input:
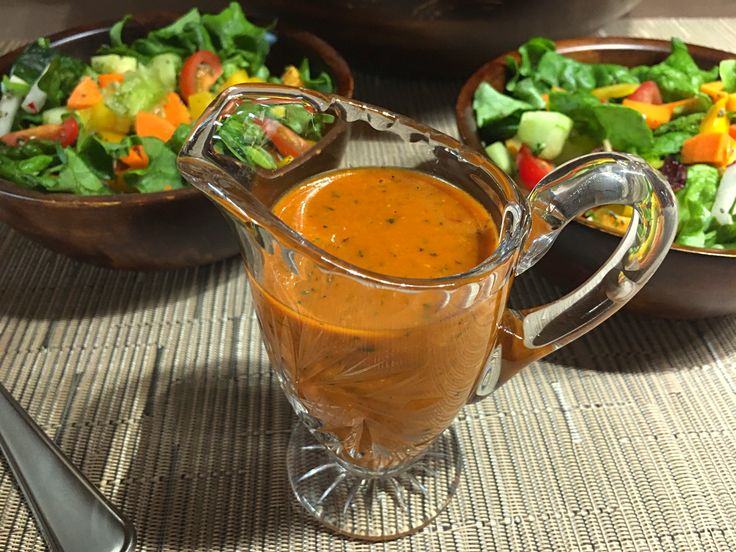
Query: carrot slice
[(106, 79), (85, 94), (708, 147), (149, 124), (176, 112), (137, 158), (655, 114)]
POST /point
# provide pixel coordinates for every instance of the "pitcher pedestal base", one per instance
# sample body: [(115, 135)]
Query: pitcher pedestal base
[(373, 508)]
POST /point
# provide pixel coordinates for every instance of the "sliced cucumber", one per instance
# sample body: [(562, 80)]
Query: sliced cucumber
[(54, 116), (499, 154), (113, 63), (166, 67), (545, 132), (9, 104)]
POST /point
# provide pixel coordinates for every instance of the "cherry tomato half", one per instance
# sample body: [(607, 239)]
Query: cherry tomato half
[(69, 131), (286, 140), (531, 168), (199, 73), (648, 92)]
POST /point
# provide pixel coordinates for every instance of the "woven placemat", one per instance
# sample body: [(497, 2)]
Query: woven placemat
[(158, 388)]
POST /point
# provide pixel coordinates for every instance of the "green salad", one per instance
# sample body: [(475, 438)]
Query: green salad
[(675, 115), (114, 123)]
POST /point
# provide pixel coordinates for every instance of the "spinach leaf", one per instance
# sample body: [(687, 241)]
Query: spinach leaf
[(668, 144), (491, 105), (579, 107), (60, 78), (78, 178), (232, 32), (160, 174), (239, 134), (557, 70), (306, 124), (531, 92), (686, 123), (100, 156), (177, 139), (625, 128), (183, 37), (33, 60), (531, 52), (320, 83), (678, 76)]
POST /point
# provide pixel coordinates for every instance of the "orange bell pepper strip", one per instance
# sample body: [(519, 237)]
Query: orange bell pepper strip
[(655, 114), (715, 148), (136, 158), (106, 79), (85, 94), (175, 110), (150, 124)]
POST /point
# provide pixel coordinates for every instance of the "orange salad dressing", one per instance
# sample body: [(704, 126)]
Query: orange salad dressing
[(384, 370)]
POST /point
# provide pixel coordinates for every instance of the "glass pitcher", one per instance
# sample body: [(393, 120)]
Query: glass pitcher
[(377, 367)]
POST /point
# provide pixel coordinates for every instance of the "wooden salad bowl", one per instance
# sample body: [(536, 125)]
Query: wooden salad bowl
[(144, 231), (691, 283)]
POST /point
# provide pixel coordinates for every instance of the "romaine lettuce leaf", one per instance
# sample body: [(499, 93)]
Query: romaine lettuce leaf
[(694, 203), (141, 90)]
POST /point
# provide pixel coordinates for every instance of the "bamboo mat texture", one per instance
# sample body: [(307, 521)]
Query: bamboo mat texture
[(157, 386)]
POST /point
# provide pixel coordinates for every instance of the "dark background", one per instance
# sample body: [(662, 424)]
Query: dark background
[(26, 19)]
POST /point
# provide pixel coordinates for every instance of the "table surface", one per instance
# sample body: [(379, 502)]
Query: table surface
[(157, 386)]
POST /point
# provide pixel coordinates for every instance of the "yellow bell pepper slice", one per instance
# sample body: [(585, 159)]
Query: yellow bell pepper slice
[(291, 77), (654, 114), (111, 136), (713, 89), (716, 120), (238, 77), (104, 118), (614, 91), (198, 103)]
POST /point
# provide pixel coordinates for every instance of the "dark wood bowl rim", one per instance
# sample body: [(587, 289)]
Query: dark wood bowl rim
[(339, 69), (468, 130)]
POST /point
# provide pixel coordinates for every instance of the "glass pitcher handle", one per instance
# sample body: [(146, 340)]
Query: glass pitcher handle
[(590, 181)]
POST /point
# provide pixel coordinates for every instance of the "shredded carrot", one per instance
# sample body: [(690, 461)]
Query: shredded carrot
[(105, 79), (655, 114), (176, 112), (85, 94), (136, 158), (732, 131), (709, 147), (149, 124)]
